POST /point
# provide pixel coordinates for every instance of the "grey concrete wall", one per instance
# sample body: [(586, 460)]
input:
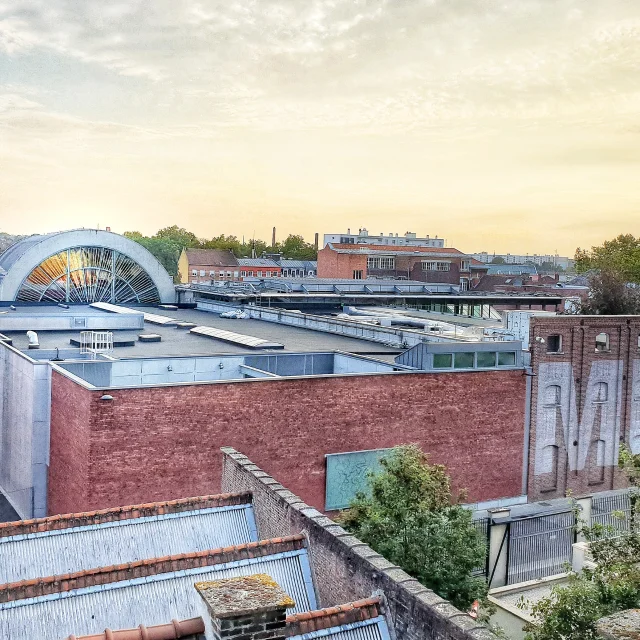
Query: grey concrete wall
[(25, 405), (15, 321)]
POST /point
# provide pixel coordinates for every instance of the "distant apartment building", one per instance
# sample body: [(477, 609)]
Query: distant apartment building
[(409, 239), (259, 268), (509, 258), (423, 264), (203, 266)]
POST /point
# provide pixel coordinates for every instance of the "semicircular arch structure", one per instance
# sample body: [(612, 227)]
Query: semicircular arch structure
[(83, 266)]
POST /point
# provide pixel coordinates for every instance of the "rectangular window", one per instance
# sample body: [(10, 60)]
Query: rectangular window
[(259, 274), (506, 358), (243, 274), (251, 274), (222, 275), (236, 274), (554, 344), (442, 360), (357, 274), (381, 262), (212, 273), (194, 272), (202, 273), (434, 265), (464, 265), (463, 360), (267, 274), (229, 275), (486, 359)]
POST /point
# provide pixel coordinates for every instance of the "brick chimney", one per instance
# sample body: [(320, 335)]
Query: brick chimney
[(246, 608)]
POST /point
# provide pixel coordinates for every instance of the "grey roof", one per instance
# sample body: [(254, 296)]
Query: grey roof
[(16, 250), (299, 264), (149, 601), (373, 629), (74, 549), (211, 258), (257, 262)]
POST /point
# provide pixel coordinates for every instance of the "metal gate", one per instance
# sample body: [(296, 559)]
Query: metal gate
[(540, 546), (482, 527)]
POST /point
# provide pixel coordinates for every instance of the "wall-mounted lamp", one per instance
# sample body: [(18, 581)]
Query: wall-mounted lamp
[(106, 397), (540, 339), (169, 368), (221, 365)]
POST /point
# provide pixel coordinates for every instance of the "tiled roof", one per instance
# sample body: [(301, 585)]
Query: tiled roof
[(147, 592), (65, 521), (374, 249), (211, 258), (85, 546), (171, 631), (301, 623)]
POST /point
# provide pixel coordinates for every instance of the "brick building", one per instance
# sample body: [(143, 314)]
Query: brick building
[(203, 266), (585, 401), (259, 268), (422, 264), (161, 442)]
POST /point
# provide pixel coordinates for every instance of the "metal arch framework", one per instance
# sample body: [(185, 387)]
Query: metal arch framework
[(80, 266), (88, 274)]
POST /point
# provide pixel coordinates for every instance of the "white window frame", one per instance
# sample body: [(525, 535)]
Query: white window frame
[(194, 272), (385, 263)]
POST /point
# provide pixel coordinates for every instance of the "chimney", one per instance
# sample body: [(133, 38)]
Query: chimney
[(315, 242), (245, 608), (273, 237)]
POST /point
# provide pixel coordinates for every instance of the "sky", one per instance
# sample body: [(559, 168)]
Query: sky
[(500, 125)]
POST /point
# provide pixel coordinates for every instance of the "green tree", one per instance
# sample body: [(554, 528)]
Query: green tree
[(409, 517), (295, 248), (571, 612), (620, 255), (498, 260), (164, 251), (610, 294), (178, 236)]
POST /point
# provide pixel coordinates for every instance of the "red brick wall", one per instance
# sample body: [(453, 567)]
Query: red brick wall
[(69, 446), (340, 265), (152, 444), (578, 335)]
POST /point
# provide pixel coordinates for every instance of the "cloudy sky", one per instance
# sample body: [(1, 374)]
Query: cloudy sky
[(501, 125)]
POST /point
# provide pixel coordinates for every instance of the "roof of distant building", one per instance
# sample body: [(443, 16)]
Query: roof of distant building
[(298, 264), (258, 262), (211, 257), (373, 249), (511, 269)]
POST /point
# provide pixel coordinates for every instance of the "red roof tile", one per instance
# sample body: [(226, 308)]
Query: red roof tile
[(69, 520), (211, 258), (171, 631), (143, 568), (359, 611)]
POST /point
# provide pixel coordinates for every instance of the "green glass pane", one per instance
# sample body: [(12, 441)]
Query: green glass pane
[(486, 359), (442, 360), (507, 358), (347, 475), (464, 361)]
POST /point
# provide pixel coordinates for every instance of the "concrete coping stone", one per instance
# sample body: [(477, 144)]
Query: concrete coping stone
[(430, 598), (398, 575)]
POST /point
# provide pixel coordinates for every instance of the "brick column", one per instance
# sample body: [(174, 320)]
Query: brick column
[(246, 608)]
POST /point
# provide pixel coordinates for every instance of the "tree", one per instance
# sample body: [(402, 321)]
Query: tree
[(620, 255), (571, 612), (295, 248), (409, 517), (551, 267), (165, 251), (498, 260), (610, 294)]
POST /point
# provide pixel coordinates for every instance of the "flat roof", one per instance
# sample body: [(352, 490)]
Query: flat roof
[(180, 342)]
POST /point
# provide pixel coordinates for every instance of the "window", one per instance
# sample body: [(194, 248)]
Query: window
[(229, 275), (357, 274), (434, 265), (203, 273), (267, 274), (464, 265), (506, 358), (194, 282), (602, 342), (554, 344), (212, 273), (463, 360), (250, 273), (464, 284), (222, 275), (442, 360), (381, 262), (486, 359), (259, 274), (194, 272), (236, 274), (243, 274), (313, 273)]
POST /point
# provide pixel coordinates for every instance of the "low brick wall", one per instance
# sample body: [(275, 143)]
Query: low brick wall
[(345, 569)]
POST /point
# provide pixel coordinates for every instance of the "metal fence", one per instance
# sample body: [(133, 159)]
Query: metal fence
[(540, 546), (482, 527), (614, 512)]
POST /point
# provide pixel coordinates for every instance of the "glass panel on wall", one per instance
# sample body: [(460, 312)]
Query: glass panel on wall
[(442, 360), (506, 358), (347, 475), (464, 360), (486, 359)]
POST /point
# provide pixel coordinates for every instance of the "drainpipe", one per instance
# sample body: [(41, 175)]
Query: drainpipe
[(527, 431)]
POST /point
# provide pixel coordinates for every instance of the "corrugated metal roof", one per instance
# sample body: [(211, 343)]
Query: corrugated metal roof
[(257, 262), (150, 601), (374, 629), (63, 551)]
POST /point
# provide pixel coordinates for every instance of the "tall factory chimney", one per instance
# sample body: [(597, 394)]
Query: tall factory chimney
[(315, 242), (273, 237)]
